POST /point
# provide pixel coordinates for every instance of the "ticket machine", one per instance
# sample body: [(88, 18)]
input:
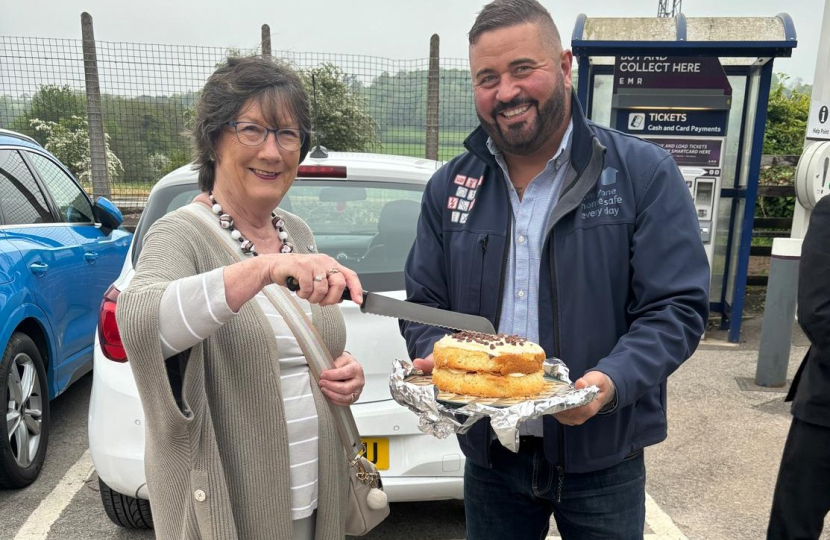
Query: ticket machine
[(682, 104)]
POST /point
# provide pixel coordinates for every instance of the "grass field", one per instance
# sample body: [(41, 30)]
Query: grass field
[(411, 142)]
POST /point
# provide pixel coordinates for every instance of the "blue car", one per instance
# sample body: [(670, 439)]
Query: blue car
[(59, 252)]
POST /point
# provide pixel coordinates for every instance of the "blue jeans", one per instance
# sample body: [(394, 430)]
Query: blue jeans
[(515, 499)]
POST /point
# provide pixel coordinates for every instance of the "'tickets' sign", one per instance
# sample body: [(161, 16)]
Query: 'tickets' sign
[(688, 123), (676, 72)]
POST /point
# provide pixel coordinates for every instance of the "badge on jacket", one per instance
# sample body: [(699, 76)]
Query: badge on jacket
[(461, 203)]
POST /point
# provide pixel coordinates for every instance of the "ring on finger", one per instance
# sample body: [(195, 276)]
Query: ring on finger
[(318, 278), (332, 271)]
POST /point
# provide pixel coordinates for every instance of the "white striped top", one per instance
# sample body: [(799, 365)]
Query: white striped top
[(193, 308)]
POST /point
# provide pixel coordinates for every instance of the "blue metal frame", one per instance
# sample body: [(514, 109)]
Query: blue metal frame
[(789, 27), (751, 197), (680, 26), (579, 27), (586, 82)]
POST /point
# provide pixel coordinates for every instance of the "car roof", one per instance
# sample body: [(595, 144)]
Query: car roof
[(359, 166), (13, 138)]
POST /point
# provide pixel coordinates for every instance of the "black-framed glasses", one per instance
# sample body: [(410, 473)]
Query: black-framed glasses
[(252, 134)]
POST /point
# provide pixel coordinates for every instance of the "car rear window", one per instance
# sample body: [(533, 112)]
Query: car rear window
[(367, 226)]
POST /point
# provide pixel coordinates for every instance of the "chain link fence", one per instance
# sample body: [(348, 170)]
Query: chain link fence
[(148, 93)]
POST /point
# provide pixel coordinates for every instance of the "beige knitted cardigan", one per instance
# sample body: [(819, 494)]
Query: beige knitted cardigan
[(219, 470)]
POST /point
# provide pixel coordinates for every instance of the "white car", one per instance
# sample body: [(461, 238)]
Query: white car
[(363, 209)]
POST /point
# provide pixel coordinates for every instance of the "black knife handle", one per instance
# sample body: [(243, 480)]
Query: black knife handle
[(294, 285)]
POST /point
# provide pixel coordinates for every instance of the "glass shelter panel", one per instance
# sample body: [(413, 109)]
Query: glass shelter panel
[(601, 94), (751, 99), (730, 173)]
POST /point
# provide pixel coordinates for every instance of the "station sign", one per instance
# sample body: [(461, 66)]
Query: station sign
[(670, 72), (818, 121)]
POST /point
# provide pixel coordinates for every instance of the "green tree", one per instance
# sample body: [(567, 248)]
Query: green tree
[(147, 134), (10, 109), (341, 119), (787, 112), (51, 103), (68, 140)]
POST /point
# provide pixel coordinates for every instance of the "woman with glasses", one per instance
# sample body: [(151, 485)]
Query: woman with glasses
[(239, 440)]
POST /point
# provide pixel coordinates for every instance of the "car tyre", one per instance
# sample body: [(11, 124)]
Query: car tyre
[(125, 511), (24, 435)]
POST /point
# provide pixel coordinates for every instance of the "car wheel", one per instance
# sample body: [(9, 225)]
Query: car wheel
[(25, 434), (125, 511)]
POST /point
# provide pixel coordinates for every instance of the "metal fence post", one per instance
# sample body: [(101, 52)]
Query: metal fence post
[(95, 117), (266, 41), (779, 313), (431, 151)]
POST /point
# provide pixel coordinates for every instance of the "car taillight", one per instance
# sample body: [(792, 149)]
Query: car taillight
[(321, 171), (108, 335)]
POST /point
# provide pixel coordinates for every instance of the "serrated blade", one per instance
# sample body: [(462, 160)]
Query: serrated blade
[(378, 304)]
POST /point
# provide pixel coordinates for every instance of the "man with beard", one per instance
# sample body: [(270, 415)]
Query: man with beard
[(579, 238)]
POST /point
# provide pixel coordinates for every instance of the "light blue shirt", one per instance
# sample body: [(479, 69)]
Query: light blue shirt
[(520, 301)]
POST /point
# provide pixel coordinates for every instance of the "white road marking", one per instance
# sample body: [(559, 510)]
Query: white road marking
[(645, 537), (660, 523), (40, 522)]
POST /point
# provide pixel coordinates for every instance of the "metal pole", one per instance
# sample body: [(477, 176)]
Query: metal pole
[(782, 286), (266, 41), (433, 75), (779, 313), (95, 117)]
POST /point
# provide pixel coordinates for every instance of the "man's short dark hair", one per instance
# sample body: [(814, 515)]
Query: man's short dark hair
[(505, 13)]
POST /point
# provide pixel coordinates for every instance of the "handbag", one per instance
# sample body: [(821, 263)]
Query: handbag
[(367, 505)]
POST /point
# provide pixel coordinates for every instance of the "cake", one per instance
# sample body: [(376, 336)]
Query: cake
[(487, 365)]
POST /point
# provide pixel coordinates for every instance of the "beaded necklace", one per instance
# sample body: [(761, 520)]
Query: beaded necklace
[(248, 248)]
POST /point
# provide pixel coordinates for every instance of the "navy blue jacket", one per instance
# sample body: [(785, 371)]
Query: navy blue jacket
[(624, 285)]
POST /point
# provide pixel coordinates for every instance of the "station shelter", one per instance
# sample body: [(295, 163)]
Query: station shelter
[(699, 88)]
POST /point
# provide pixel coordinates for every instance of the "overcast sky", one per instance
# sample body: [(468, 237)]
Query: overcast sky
[(394, 29)]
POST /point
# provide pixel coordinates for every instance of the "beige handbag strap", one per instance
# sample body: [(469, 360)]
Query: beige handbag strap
[(317, 355)]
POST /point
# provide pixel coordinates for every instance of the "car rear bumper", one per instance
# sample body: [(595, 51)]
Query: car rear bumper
[(421, 467), (116, 427), (410, 489)]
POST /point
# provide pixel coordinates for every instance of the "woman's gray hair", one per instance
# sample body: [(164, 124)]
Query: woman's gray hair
[(274, 85), (505, 13)]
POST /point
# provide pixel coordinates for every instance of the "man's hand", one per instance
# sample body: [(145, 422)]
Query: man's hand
[(424, 364), (579, 415)]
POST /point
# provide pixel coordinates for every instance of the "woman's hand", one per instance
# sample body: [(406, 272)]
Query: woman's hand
[(343, 383), (322, 279)]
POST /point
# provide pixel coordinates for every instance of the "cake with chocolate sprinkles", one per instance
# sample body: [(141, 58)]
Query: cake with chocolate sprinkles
[(488, 365)]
